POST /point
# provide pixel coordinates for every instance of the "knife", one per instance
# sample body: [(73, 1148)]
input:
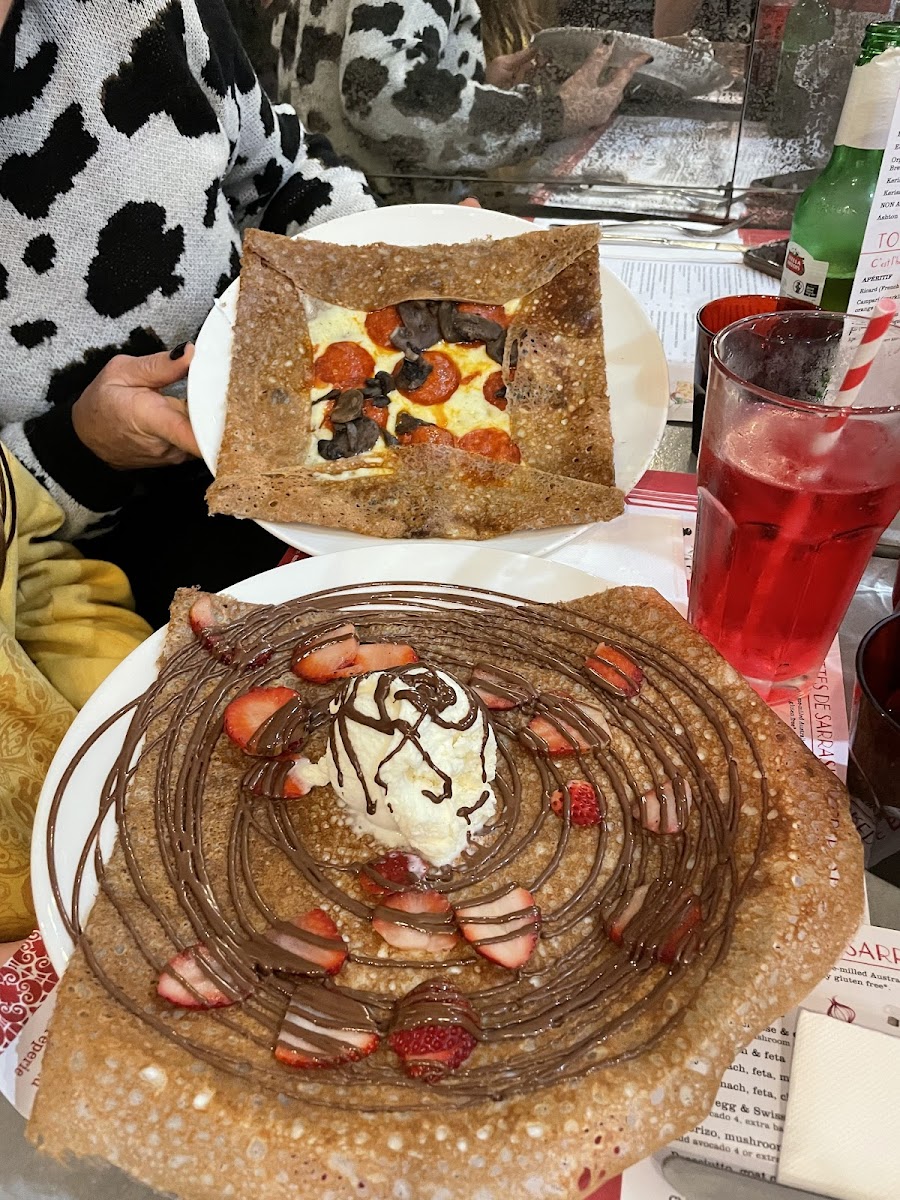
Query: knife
[(699, 1181)]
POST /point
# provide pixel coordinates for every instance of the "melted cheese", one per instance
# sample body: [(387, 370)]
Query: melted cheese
[(466, 409)]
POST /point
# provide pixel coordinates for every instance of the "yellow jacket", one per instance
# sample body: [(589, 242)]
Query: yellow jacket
[(65, 622)]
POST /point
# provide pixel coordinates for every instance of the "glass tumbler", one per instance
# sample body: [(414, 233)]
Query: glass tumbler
[(793, 492)]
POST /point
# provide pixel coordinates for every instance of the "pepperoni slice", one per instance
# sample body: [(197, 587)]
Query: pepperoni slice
[(345, 365), (491, 443), (428, 435), (495, 390), (440, 384), (492, 312), (378, 415), (381, 324)]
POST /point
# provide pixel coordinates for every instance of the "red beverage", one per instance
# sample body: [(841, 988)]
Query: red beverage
[(793, 493), (782, 541)]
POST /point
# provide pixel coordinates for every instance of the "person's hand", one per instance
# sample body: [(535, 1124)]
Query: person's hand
[(127, 422), (509, 70), (588, 102)]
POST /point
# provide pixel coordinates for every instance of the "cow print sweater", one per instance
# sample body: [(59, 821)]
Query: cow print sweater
[(399, 86), (135, 147)]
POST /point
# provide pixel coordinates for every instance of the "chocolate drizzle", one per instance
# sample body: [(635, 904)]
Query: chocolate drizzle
[(583, 1004)]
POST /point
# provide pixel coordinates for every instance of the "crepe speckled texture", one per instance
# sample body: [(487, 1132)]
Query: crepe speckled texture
[(557, 400), (113, 1088)]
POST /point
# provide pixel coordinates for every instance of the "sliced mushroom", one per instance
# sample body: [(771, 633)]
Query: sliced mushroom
[(414, 371), (356, 437), (420, 328), (459, 326), (348, 407)]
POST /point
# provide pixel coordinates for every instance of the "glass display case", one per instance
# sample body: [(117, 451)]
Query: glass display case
[(688, 107)]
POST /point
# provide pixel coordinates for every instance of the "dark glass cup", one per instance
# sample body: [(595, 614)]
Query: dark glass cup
[(712, 319), (873, 772)]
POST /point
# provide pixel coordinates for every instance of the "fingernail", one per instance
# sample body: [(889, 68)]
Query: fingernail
[(178, 351)]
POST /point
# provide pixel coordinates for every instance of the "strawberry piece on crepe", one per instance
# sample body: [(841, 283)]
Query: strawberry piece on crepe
[(584, 808), (434, 1030), (616, 668), (319, 661), (248, 713), (513, 919), (421, 920), (584, 727), (210, 626), (378, 656), (396, 869), (657, 810), (194, 979), (324, 1028), (313, 944)]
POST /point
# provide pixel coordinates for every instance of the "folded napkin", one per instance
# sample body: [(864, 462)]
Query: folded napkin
[(640, 549), (840, 1134)]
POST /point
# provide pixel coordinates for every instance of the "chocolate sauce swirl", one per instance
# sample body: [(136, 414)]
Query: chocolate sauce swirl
[(601, 989)]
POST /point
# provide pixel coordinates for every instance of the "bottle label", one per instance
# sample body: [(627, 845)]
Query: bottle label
[(866, 116), (803, 276)]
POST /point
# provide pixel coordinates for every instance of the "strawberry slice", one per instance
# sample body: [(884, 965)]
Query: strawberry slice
[(616, 668), (434, 1030), (499, 690), (660, 814), (318, 662), (671, 948), (675, 940), (558, 738), (324, 1029), (210, 624), (628, 913), (416, 921), (286, 778), (392, 871), (584, 806), (194, 979), (513, 918), (378, 656), (321, 951), (586, 729), (247, 713)]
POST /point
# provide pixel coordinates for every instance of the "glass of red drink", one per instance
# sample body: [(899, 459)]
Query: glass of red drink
[(793, 493)]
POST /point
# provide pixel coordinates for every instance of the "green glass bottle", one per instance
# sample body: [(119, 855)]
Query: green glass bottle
[(830, 218)]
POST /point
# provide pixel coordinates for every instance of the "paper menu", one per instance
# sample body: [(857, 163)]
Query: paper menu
[(878, 271), (743, 1132)]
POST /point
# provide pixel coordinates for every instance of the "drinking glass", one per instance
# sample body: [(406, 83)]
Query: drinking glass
[(793, 493), (873, 772), (712, 318)]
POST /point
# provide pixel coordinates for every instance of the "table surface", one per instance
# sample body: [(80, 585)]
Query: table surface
[(27, 1175)]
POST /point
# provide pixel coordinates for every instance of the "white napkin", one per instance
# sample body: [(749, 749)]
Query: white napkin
[(841, 1127), (641, 549)]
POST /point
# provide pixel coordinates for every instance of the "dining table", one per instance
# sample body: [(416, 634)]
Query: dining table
[(26, 1174)]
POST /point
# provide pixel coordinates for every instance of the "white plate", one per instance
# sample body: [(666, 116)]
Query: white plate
[(469, 566), (637, 374)]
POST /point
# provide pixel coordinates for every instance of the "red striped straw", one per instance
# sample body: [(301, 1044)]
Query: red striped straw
[(879, 323)]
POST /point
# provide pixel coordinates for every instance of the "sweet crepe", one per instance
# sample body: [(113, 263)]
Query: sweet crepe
[(555, 404), (606, 1045)]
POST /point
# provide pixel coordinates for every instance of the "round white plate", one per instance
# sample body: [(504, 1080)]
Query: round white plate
[(637, 375), (476, 566)]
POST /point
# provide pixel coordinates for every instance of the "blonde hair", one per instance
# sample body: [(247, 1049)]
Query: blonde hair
[(507, 25), (7, 511)]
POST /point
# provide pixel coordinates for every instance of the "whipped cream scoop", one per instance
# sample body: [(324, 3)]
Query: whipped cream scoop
[(412, 756)]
